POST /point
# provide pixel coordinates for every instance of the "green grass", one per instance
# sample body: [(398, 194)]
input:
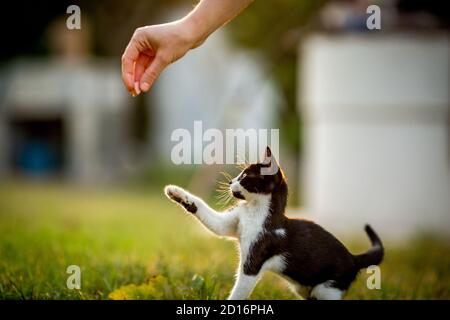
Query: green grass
[(137, 245)]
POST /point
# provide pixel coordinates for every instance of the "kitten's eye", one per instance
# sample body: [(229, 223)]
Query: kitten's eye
[(243, 176)]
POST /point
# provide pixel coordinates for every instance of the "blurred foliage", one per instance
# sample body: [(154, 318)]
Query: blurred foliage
[(274, 28), (111, 22), (135, 244), (159, 174)]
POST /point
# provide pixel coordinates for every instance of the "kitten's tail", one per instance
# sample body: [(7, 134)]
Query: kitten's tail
[(374, 255)]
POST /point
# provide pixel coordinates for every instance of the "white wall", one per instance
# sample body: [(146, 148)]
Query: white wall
[(377, 140)]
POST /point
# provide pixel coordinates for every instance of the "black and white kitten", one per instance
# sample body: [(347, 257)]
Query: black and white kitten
[(314, 261)]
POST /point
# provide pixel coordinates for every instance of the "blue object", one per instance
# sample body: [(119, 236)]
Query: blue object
[(37, 158)]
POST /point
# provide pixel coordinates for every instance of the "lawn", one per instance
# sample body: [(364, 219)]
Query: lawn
[(135, 244)]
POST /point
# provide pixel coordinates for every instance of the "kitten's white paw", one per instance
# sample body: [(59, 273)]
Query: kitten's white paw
[(180, 196), (175, 193)]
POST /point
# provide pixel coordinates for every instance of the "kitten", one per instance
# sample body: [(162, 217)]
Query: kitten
[(318, 265)]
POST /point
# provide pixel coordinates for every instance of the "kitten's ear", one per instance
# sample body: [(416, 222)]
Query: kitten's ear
[(268, 156), (270, 164), (268, 152)]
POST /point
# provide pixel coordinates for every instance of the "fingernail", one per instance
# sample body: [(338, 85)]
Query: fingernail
[(133, 94), (136, 88), (145, 86)]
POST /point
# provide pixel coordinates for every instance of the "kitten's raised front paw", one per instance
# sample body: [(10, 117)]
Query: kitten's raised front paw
[(180, 196), (175, 193)]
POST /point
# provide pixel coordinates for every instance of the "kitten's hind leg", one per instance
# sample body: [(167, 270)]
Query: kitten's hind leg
[(326, 291), (244, 286)]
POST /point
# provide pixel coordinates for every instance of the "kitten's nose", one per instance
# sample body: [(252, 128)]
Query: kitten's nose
[(229, 182)]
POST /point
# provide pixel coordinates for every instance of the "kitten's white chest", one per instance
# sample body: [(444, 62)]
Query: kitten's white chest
[(251, 224)]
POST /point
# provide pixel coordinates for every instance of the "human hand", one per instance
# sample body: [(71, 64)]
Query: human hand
[(151, 49)]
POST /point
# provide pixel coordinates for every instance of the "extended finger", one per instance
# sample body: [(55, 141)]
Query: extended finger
[(129, 58)]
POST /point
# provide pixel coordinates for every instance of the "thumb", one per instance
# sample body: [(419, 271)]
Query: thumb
[(152, 73)]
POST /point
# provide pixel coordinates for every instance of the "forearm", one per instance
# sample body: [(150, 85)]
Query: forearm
[(209, 15)]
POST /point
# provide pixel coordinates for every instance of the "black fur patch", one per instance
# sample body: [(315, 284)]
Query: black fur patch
[(253, 181), (189, 206), (238, 195)]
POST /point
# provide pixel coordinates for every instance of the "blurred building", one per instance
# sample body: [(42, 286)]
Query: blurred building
[(377, 119), (61, 119), (62, 115)]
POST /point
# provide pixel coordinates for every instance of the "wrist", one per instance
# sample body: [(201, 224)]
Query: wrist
[(194, 31)]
